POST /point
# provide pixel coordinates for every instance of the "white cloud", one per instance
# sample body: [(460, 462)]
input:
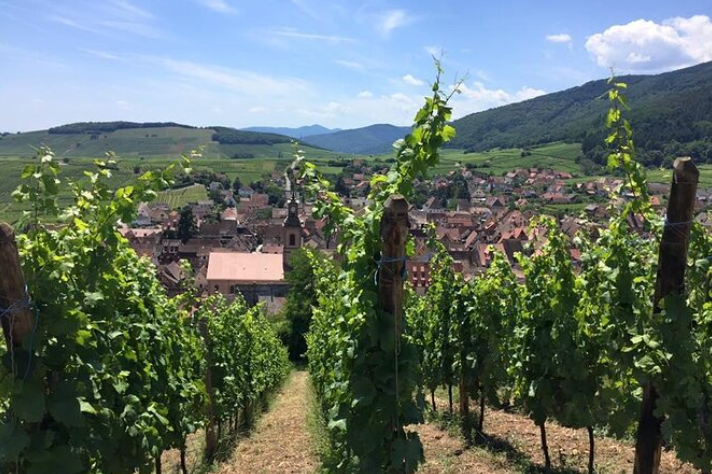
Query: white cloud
[(526, 93), (413, 81), (108, 18), (477, 97), (364, 95), (101, 54), (559, 38), (123, 105), (294, 33), (328, 111), (257, 109), (436, 51), (350, 64), (220, 6), (647, 46), (391, 20), (312, 13), (246, 83)]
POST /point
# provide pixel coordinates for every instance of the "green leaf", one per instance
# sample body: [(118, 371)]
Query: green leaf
[(64, 405), (13, 440), (29, 402)]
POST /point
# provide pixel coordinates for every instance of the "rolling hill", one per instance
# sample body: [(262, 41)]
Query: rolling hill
[(373, 139), (299, 132), (149, 140), (671, 114)]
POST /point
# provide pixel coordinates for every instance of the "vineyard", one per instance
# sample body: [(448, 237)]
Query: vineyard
[(103, 372), (615, 345)]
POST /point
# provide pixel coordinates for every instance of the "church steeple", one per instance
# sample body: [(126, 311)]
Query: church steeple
[(292, 219), (292, 230)]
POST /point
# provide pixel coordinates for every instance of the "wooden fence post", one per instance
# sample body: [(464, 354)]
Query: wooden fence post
[(17, 318), (394, 234), (391, 275), (670, 280), (210, 439)]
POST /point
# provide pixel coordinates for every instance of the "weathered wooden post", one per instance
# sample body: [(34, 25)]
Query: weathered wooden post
[(670, 281), (16, 315), (394, 233), (391, 275), (210, 438)]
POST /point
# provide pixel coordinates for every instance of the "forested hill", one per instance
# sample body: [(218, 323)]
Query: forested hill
[(671, 114), (373, 139)]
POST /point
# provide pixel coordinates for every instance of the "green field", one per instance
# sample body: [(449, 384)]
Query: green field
[(158, 142), (146, 148), (176, 198), (559, 156)]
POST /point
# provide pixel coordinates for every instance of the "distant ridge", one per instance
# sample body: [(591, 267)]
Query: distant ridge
[(671, 115), (371, 140), (298, 132)]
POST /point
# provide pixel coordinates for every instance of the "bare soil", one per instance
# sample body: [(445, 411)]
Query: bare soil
[(512, 444)]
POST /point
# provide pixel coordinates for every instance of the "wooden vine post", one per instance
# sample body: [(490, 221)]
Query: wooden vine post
[(670, 280), (210, 437), (391, 275), (16, 316)]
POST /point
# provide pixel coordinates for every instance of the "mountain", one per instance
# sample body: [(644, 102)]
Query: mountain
[(154, 139), (671, 115), (373, 139), (299, 132)]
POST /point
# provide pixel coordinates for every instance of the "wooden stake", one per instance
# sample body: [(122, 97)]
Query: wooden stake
[(210, 438), (17, 320), (670, 281), (394, 233)]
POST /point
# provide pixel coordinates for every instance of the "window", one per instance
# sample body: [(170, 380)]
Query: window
[(292, 240)]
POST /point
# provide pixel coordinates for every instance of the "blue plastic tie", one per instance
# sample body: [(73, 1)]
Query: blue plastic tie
[(15, 307), (667, 223), (384, 260)]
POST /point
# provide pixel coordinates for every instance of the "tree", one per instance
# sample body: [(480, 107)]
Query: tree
[(300, 299), (236, 185), (341, 188), (186, 224), (216, 196)]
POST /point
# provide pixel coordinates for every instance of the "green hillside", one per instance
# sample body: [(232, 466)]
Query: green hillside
[(155, 141), (369, 140), (670, 113), (140, 147)]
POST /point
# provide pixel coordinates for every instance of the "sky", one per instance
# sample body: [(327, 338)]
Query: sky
[(338, 63)]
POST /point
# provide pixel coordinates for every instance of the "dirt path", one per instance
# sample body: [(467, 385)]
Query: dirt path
[(280, 442)]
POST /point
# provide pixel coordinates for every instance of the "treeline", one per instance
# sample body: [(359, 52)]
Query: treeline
[(96, 128), (670, 114), (231, 136), (112, 372)]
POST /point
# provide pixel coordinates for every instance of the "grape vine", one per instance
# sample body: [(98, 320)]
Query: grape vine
[(113, 374)]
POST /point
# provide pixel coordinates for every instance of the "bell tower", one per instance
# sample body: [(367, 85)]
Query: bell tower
[(292, 230)]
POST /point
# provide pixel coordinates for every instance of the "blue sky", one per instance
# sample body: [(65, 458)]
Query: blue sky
[(338, 63)]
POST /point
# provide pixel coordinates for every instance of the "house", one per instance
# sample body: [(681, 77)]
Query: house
[(246, 192), (254, 275)]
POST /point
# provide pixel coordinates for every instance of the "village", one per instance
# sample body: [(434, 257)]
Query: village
[(241, 239)]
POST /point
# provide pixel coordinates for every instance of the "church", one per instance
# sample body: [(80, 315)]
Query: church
[(259, 277)]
